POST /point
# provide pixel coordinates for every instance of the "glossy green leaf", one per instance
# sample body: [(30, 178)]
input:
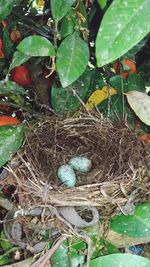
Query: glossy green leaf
[(60, 8), (124, 24), (10, 87), (6, 7), (36, 46), (71, 20), (82, 22), (4, 243), (18, 59), (4, 260), (97, 82), (68, 23), (120, 260), (67, 256), (72, 59), (64, 100), (102, 247), (78, 244), (135, 225), (109, 248), (134, 82), (8, 44), (77, 260), (102, 3), (11, 138), (60, 257)]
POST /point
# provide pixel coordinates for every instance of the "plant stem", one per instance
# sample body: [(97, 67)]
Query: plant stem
[(55, 34)]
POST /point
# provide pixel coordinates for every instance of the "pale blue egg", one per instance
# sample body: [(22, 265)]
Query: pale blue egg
[(81, 164), (67, 175)]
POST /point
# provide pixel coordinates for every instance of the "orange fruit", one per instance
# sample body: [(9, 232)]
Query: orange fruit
[(1, 49), (145, 138), (8, 120), (4, 23), (21, 75), (15, 36), (127, 66)]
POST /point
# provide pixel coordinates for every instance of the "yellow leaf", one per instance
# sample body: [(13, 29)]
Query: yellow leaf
[(41, 3), (140, 103), (100, 95)]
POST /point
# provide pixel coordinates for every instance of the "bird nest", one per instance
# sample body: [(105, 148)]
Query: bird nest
[(117, 180)]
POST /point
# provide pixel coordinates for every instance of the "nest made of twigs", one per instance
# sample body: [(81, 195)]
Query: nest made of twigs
[(119, 175)]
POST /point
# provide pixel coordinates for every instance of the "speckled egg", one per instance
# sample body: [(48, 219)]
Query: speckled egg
[(81, 164), (67, 175)]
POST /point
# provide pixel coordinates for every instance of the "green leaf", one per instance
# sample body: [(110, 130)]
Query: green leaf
[(68, 23), (18, 59), (102, 3), (71, 21), (76, 259), (11, 138), (120, 260), (136, 225), (102, 247), (109, 248), (4, 243), (134, 82), (60, 257), (97, 82), (63, 99), (6, 7), (124, 24), (10, 87), (4, 260), (36, 46), (72, 59), (60, 8), (8, 43), (67, 256), (82, 10), (78, 244)]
